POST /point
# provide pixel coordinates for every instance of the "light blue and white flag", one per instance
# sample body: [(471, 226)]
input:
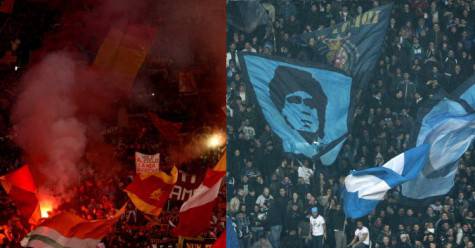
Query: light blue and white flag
[(450, 130), (466, 93), (448, 125), (364, 189)]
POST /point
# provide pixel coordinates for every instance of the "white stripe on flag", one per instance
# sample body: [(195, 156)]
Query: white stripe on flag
[(368, 187), (59, 238), (202, 196), (396, 164)]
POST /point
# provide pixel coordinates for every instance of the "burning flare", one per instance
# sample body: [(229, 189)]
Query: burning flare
[(215, 140), (47, 205)]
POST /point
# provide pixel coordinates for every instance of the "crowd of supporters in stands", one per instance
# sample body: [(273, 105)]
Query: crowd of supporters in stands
[(96, 197), (429, 47)]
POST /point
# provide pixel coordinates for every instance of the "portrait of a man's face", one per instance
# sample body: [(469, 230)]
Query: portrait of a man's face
[(301, 101), (299, 111), (297, 102)]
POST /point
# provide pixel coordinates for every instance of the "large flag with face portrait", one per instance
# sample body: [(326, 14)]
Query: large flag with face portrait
[(308, 107), (448, 125), (353, 46)]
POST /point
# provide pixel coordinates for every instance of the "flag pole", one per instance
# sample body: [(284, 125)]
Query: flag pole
[(180, 242)]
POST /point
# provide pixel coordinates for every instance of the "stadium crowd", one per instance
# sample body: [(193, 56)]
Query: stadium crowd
[(96, 197), (274, 198)]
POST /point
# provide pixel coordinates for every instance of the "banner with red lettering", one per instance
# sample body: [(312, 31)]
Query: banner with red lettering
[(147, 164)]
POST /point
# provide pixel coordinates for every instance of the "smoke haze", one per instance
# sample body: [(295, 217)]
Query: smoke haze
[(64, 103)]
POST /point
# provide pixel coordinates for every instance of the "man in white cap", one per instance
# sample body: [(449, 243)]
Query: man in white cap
[(318, 231)]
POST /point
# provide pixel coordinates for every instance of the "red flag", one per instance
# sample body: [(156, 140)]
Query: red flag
[(6, 6), (167, 129), (221, 241), (21, 188), (150, 192), (196, 212)]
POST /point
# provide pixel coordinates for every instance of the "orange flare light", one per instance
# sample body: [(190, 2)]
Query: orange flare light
[(215, 140), (45, 208)]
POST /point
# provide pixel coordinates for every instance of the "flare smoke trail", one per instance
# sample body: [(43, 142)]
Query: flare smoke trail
[(63, 103), (45, 120)]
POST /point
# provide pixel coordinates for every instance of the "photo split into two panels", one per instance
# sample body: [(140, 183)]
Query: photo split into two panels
[(113, 124)]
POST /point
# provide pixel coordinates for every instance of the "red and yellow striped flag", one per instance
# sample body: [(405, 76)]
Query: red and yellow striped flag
[(150, 192), (123, 52)]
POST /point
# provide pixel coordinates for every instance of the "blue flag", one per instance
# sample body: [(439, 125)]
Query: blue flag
[(353, 46), (246, 15), (466, 93), (449, 126), (308, 107), (231, 235), (364, 189)]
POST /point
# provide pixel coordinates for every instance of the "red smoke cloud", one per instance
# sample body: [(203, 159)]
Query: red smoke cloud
[(45, 119), (64, 103)]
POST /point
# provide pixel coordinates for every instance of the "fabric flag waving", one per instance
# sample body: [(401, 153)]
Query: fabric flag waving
[(195, 213), (353, 46), (308, 107), (450, 131), (232, 240), (220, 242), (168, 129), (448, 125), (149, 193), (246, 15), (6, 6), (466, 93), (123, 52), (364, 189), (69, 230), (21, 188)]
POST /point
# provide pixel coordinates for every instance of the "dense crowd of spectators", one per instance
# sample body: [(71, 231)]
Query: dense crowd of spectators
[(98, 195), (429, 47)]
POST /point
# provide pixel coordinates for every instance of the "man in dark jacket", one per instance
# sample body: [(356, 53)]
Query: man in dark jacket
[(336, 225), (276, 218)]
